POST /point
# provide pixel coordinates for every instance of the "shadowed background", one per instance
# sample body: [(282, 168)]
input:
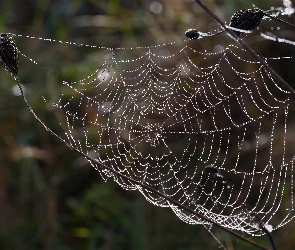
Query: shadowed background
[(50, 198)]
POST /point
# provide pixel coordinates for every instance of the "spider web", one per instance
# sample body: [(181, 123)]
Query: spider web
[(210, 128)]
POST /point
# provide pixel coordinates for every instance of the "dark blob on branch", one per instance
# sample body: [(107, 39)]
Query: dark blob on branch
[(9, 54), (246, 19), (250, 19), (192, 34), (243, 20)]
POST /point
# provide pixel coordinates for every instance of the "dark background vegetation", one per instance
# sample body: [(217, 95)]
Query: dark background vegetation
[(49, 197)]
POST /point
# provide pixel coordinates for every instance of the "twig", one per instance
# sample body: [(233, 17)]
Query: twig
[(269, 237)]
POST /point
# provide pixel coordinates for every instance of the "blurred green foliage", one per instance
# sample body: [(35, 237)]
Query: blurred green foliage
[(50, 198)]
